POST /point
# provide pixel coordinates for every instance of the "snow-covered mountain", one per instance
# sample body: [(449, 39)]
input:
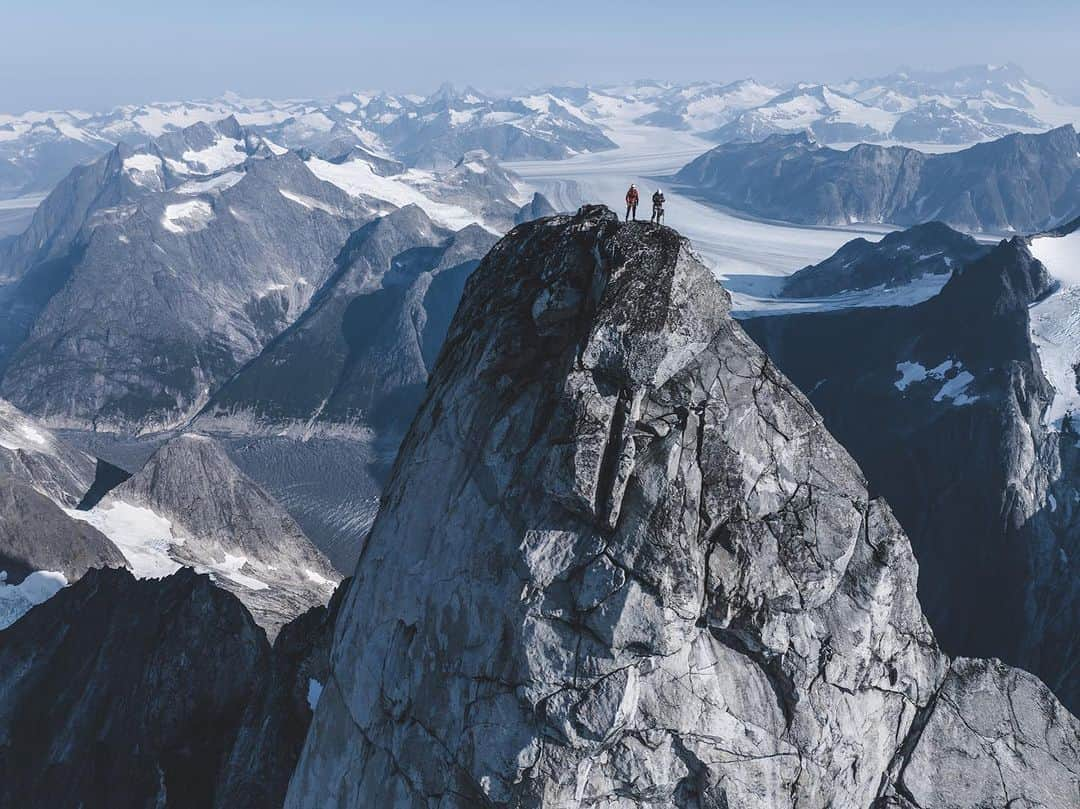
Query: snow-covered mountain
[(37, 149), (830, 115), (961, 106), (168, 266), (1001, 93), (957, 107), (433, 132), (706, 106)]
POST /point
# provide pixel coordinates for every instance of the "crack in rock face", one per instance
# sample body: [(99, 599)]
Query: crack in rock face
[(621, 563)]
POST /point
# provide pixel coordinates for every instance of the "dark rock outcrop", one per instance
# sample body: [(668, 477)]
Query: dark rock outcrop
[(620, 562), (36, 534), (1020, 183), (275, 723), (154, 693), (898, 258), (119, 692)]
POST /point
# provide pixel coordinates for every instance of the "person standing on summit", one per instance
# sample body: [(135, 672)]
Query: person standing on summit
[(631, 202), (657, 207)]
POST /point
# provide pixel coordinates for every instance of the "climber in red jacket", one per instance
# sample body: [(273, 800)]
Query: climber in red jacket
[(631, 202)]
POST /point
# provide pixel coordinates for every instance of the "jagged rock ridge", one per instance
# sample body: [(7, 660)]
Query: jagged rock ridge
[(897, 259), (620, 562)]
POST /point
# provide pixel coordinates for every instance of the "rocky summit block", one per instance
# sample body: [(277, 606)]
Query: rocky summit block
[(621, 563)]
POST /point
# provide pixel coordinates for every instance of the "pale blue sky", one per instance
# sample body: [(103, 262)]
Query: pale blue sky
[(64, 53)]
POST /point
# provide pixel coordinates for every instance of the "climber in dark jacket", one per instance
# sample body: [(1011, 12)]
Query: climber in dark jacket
[(657, 207), (631, 202)]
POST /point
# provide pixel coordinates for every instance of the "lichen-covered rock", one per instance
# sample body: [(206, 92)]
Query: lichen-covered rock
[(621, 563)]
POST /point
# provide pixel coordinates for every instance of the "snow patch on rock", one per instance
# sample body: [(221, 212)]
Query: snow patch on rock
[(144, 170), (314, 691), (956, 380), (1055, 322), (309, 202), (187, 217), (224, 152), (143, 536), (17, 599), (218, 183)]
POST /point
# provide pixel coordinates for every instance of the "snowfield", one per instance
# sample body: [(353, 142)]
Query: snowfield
[(145, 539), (17, 599), (218, 183), (1055, 322), (187, 217), (141, 535), (223, 154), (357, 178)]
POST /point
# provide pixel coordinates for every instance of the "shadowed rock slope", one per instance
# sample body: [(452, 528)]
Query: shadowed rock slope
[(944, 407), (120, 692), (621, 563)]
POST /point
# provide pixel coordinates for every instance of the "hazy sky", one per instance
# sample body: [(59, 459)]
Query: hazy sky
[(72, 53)]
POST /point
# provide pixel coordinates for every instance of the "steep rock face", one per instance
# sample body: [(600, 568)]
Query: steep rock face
[(536, 208), (899, 258), (942, 404), (32, 454), (620, 562), (221, 521), (360, 355), (1020, 183), (118, 692), (36, 534), (995, 737), (145, 280), (154, 693), (276, 720)]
